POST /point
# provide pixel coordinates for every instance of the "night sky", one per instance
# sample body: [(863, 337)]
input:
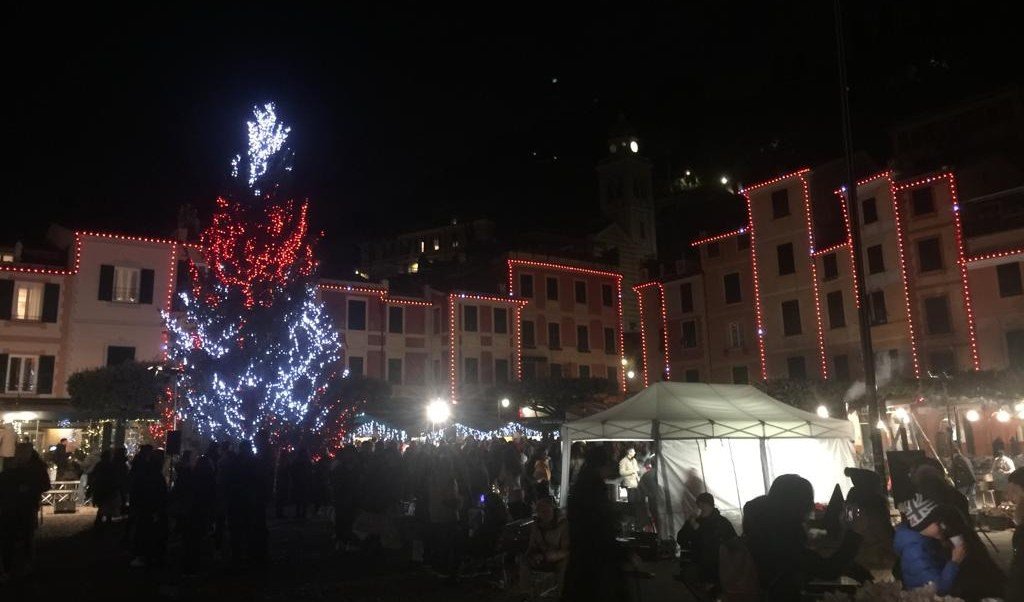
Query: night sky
[(403, 118)]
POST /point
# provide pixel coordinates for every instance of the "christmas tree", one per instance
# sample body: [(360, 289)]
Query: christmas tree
[(255, 346)]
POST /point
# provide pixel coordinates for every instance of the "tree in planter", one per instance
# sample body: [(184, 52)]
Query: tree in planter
[(129, 389), (256, 347), (553, 396)]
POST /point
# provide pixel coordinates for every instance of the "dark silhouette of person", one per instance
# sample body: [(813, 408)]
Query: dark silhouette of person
[(595, 571), (61, 457), (778, 541), (105, 489), (301, 475), (22, 483), (148, 497), (702, 534)]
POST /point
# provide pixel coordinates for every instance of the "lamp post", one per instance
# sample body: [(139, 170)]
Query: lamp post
[(503, 405)]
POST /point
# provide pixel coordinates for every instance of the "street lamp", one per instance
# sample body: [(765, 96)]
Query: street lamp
[(822, 411), (438, 411), (972, 415)]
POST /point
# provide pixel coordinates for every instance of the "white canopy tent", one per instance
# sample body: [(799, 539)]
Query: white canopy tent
[(729, 440)]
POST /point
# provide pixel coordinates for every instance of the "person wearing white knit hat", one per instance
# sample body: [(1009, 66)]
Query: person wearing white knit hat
[(918, 544)]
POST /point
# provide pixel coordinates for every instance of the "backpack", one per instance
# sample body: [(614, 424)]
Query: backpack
[(737, 572)]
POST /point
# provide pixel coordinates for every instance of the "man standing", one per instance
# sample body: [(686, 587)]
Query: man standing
[(629, 471), (702, 534), (1002, 466)]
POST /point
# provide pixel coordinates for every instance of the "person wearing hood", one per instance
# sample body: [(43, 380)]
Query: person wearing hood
[(702, 534), (918, 542)]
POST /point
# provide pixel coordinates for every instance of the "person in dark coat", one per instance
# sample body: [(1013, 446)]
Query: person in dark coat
[(929, 479), (22, 484), (596, 568), (105, 489), (702, 534), (148, 500), (778, 542)]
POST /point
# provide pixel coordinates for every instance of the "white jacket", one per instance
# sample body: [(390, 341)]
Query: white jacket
[(629, 470)]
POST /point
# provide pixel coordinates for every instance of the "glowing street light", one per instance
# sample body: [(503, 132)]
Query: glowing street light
[(631, 375), (1003, 416), (724, 180), (822, 411), (505, 402), (972, 415), (438, 411)]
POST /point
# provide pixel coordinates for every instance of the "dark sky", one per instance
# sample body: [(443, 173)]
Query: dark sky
[(406, 117)]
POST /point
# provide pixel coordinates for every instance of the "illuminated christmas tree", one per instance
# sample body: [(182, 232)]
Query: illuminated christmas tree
[(256, 347)]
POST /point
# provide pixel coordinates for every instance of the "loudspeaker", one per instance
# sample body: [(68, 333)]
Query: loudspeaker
[(173, 443), (900, 463)]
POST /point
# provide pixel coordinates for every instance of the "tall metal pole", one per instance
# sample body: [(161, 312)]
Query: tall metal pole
[(864, 313)]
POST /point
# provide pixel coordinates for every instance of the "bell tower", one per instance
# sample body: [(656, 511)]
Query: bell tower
[(624, 184)]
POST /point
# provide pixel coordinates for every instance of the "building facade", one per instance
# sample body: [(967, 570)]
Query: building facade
[(940, 298)]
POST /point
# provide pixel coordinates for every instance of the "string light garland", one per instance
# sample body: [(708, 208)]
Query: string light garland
[(377, 430), (832, 249), (639, 289), (901, 254), (452, 357), (814, 276), (794, 174), (718, 237), (995, 255)]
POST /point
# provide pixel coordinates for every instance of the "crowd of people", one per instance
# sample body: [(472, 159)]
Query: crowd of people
[(490, 507)]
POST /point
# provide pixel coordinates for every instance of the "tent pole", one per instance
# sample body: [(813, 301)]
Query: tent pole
[(665, 522), (764, 464), (563, 487)]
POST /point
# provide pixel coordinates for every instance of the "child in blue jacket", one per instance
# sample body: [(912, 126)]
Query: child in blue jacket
[(918, 542)]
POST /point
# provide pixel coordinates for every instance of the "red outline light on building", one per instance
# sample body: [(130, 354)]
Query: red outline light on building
[(813, 262), (718, 237), (664, 326), (893, 190), (995, 255)]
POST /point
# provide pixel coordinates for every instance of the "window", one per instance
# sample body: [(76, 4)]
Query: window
[(500, 371), (396, 319), (1015, 348), (606, 295), (126, 285), (735, 335), (356, 315), (930, 253), (1009, 279), (526, 285), (686, 297), (395, 371), (876, 261), (689, 334), (841, 367), (528, 335), (831, 265), (797, 367), (870, 210), (609, 341), (28, 301), (613, 374), (923, 201), (21, 373), (836, 312), (469, 318), (355, 365), (942, 362), (877, 307), (552, 289), (437, 320), (713, 250), (582, 339), (936, 312), (423, 246), (554, 335), (780, 203), (692, 376), (555, 370), (791, 318), (584, 371), (732, 288), (742, 242), (740, 375), (581, 291), (120, 355), (784, 253), (471, 373), (500, 320)]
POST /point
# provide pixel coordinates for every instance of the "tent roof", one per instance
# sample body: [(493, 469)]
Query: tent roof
[(705, 411)]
